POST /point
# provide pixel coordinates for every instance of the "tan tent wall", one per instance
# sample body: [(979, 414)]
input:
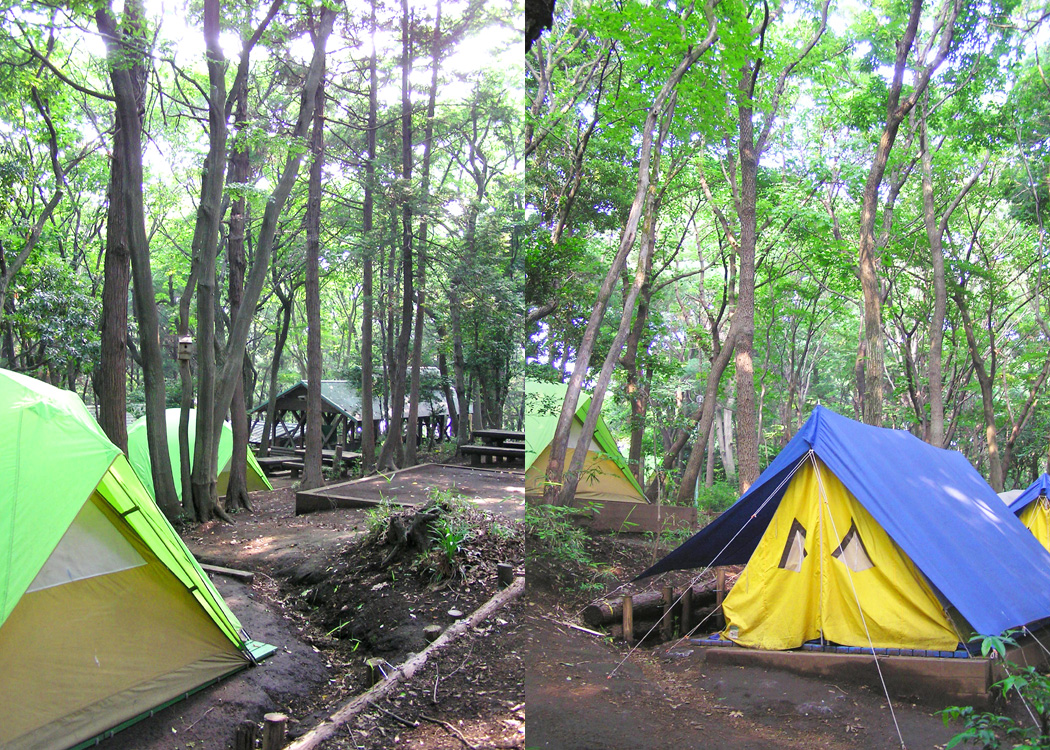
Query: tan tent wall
[(81, 657), (601, 479), (255, 482)]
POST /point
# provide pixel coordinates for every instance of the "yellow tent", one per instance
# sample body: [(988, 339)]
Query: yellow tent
[(820, 556), (1033, 509)]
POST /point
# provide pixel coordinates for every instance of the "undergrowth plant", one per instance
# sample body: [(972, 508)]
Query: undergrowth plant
[(989, 730), (554, 533), (377, 518)]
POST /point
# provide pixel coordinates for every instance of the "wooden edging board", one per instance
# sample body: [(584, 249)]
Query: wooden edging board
[(331, 496), (931, 680)]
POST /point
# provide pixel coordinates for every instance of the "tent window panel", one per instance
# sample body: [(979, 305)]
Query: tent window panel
[(795, 548), (91, 546), (852, 552)]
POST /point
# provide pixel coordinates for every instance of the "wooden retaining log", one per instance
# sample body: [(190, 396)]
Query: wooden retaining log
[(646, 604)]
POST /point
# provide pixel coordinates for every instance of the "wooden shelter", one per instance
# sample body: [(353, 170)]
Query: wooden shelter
[(341, 415)]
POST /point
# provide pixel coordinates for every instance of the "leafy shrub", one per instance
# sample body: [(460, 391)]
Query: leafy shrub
[(553, 532), (990, 731)]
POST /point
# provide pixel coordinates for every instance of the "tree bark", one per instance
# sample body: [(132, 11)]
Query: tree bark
[(129, 120), (368, 435), (896, 111), (312, 474), (424, 190), (113, 357), (205, 248), (237, 488), (559, 444), (399, 365)]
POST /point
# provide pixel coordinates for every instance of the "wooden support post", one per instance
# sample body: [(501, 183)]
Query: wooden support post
[(337, 461), (275, 727), (628, 619), (375, 670), (246, 737), (504, 575), (720, 593), (687, 610), (667, 620)]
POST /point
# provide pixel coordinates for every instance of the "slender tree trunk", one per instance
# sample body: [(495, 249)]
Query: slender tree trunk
[(368, 435), (985, 379), (553, 493), (186, 400), (205, 248), (400, 364), (424, 190), (129, 121), (312, 474), (896, 111), (281, 337), (237, 487), (747, 429), (113, 366)]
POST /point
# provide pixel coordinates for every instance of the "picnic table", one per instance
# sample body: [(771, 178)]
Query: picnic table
[(498, 437), (497, 446)]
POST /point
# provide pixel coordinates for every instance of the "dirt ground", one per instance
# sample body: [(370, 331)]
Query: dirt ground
[(663, 697), (321, 596)]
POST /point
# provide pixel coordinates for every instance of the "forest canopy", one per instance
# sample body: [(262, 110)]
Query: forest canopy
[(741, 210), (302, 191)]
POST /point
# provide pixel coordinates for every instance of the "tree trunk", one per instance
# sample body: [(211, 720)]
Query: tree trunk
[(233, 367), (985, 379), (186, 399), (205, 248), (747, 428), (553, 493), (312, 474), (237, 487), (399, 365), (424, 189), (128, 119), (368, 435), (113, 366), (281, 337), (896, 111)]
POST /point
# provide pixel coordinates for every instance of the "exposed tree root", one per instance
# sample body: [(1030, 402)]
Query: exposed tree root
[(330, 726)]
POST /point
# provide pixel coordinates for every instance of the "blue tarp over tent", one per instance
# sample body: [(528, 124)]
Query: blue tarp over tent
[(931, 502), (1040, 486)]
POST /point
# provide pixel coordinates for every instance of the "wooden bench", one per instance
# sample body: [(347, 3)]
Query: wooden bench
[(271, 464), (495, 454)]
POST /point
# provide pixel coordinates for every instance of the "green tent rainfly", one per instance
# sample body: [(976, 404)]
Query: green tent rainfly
[(104, 613), (138, 454), (605, 476)]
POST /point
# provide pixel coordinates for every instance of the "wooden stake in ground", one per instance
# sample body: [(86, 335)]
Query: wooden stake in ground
[(628, 619), (329, 727), (720, 589)]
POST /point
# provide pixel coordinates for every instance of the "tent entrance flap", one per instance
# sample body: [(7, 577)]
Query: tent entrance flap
[(822, 553)]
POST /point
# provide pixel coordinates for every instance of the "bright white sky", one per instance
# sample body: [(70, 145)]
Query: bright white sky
[(496, 47)]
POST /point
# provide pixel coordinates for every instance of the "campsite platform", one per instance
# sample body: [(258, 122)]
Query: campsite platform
[(501, 491), (944, 680)]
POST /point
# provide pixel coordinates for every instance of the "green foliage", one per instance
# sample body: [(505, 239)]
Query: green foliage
[(553, 533), (378, 517), (989, 730), (717, 497)]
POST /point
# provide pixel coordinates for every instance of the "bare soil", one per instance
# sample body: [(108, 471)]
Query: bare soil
[(586, 692), (321, 596)]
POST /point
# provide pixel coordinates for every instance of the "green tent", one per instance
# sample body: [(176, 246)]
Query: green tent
[(138, 453), (104, 613), (605, 476)]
